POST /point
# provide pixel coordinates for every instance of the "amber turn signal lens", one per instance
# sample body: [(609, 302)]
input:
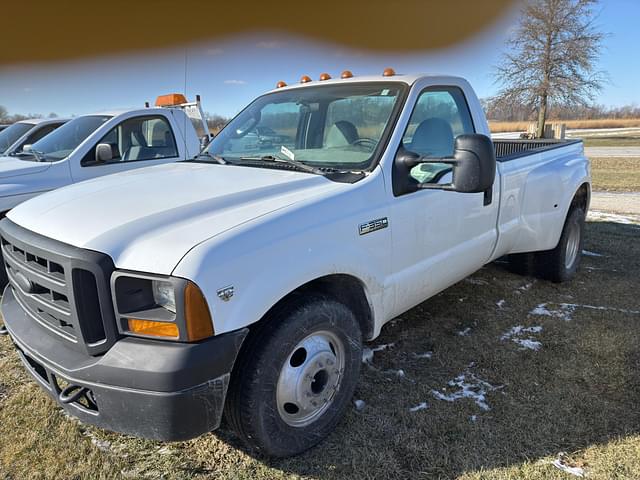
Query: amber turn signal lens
[(305, 79), (281, 84), (325, 76), (170, 99), (388, 72), (151, 328), (346, 74), (196, 313)]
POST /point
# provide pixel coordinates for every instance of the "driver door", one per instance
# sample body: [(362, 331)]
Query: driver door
[(439, 237), (135, 143)]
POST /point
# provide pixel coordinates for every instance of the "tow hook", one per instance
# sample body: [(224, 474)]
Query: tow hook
[(72, 393), (3, 330)]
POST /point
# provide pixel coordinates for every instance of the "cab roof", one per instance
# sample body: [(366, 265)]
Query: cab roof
[(408, 79)]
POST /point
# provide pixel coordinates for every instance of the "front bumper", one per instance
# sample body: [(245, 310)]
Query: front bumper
[(146, 388)]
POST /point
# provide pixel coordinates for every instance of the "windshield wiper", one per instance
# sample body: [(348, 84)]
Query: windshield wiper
[(216, 158), (299, 165)]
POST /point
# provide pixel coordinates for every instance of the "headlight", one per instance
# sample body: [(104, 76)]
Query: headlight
[(166, 307), (164, 295)]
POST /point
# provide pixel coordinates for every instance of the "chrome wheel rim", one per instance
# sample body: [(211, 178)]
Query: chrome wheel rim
[(573, 246), (309, 378)]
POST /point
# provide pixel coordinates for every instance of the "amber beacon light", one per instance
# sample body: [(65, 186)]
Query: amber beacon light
[(346, 74), (388, 72)]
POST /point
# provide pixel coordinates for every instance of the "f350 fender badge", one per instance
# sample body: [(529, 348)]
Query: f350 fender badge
[(373, 225), (225, 293)]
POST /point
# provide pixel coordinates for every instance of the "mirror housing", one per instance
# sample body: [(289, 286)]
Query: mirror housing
[(103, 153), (26, 148), (473, 164)]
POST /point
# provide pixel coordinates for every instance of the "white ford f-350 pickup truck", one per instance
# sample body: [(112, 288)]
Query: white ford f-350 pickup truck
[(25, 133), (244, 281)]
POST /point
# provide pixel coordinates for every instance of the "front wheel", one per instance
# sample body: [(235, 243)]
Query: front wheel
[(296, 376)]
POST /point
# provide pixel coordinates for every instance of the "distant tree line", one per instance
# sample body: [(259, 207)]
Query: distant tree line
[(6, 117), (502, 111)]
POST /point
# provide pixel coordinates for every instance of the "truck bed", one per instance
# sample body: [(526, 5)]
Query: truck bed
[(507, 150)]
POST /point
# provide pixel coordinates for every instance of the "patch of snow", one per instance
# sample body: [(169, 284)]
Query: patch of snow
[(613, 217), (528, 344), (165, 451), (516, 334), (367, 355), (426, 355), (562, 465), (382, 347), (359, 404), (468, 386), (473, 418), (500, 303), (464, 333), (587, 253), (420, 406), (526, 286), (565, 311)]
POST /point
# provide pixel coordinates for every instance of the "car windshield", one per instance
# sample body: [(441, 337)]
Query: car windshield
[(333, 126), (12, 133), (64, 140)]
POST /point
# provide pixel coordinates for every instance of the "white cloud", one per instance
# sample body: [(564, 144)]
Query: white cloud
[(269, 44), (235, 82)]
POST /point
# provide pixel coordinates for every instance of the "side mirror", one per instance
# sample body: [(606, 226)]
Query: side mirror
[(103, 153), (26, 148), (204, 141), (473, 164)]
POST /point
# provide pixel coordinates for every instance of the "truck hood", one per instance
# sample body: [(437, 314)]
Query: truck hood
[(148, 219), (12, 167)]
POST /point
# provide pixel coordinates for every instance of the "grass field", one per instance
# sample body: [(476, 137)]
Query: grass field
[(498, 127), (613, 174), (578, 393)]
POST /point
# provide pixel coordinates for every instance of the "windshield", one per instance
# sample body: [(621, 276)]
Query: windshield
[(335, 126), (64, 140), (12, 133)]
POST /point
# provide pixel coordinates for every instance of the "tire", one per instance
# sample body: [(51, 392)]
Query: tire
[(562, 263), (285, 396)]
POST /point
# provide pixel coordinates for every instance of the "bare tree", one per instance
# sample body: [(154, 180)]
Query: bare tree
[(551, 57)]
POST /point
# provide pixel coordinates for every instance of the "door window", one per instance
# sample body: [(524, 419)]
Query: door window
[(137, 139), (439, 116)]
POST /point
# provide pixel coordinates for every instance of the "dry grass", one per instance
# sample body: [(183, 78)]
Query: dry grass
[(498, 127), (616, 174), (580, 393)]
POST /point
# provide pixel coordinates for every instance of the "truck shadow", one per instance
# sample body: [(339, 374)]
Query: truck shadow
[(569, 382)]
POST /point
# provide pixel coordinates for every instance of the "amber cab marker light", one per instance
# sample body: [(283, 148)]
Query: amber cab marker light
[(346, 74), (388, 72), (196, 314), (153, 329), (170, 100), (305, 79), (281, 84), (325, 76)]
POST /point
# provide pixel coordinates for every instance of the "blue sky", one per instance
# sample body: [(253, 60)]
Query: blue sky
[(230, 73)]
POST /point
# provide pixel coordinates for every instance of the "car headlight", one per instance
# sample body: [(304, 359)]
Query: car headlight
[(160, 307), (164, 295)]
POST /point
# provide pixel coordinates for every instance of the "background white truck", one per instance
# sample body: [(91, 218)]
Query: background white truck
[(15, 137), (245, 281)]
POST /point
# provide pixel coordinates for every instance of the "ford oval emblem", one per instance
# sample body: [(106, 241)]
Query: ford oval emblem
[(23, 282)]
